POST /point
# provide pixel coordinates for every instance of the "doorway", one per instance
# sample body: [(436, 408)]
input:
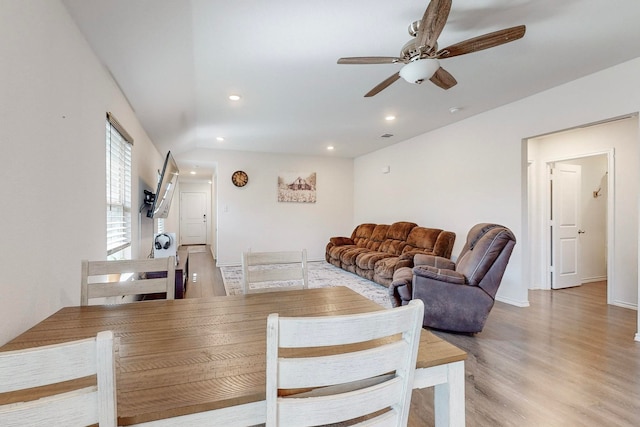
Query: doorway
[(580, 145), (193, 218), (578, 221), (195, 213)]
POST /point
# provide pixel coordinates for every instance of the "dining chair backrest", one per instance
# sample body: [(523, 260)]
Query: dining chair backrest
[(102, 279), (364, 369), (260, 271), (53, 364)]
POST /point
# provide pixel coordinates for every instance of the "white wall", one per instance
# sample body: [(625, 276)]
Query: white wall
[(476, 170), (54, 96), (252, 218)]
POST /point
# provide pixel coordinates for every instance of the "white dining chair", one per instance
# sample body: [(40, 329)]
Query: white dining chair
[(286, 270), (367, 380), (243, 415), (101, 279), (52, 364)]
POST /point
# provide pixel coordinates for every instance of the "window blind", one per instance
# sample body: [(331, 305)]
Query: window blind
[(118, 146)]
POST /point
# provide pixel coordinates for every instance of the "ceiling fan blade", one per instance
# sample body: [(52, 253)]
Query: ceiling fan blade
[(482, 42), (443, 79), (432, 23), (370, 60), (383, 85)]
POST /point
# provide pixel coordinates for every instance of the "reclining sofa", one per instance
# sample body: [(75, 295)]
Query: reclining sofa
[(376, 251)]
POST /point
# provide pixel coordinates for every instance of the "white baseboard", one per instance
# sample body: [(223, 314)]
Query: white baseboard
[(625, 305), (511, 301), (594, 279)]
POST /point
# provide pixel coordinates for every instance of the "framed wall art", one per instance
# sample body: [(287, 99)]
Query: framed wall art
[(299, 187)]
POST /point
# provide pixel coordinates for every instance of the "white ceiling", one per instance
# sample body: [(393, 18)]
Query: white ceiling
[(177, 62)]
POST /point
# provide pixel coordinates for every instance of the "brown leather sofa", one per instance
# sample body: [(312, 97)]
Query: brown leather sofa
[(376, 251), (458, 296)]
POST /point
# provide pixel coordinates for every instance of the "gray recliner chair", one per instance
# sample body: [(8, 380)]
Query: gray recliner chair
[(457, 296)]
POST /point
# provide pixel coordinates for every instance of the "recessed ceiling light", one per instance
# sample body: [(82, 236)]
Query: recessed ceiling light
[(234, 97), (219, 139), (193, 172), (330, 147), (390, 118)]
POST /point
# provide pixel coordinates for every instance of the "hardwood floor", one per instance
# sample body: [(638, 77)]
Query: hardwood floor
[(204, 279), (567, 360)]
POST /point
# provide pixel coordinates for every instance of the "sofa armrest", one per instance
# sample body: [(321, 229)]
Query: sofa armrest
[(341, 241), (400, 289), (433, 261), (439, 274)]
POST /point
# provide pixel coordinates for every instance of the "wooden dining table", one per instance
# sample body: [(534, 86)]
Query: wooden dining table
[(179, 357)]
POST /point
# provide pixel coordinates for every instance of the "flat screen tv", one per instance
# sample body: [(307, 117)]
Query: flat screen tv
[(166, 186)]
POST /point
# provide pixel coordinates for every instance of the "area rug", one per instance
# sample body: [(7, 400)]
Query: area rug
[(321, 275)]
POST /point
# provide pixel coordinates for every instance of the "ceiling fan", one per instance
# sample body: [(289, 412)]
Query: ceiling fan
[(420, 54)]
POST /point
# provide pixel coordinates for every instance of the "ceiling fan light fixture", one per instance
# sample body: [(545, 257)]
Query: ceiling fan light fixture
[(419, 70)]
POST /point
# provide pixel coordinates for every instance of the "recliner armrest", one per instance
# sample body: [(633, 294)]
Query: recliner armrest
[(439, 274), (433, 261), (341, 241)]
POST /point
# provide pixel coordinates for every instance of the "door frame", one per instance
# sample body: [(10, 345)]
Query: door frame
[(207, 214), (545, 207), (199, 186)]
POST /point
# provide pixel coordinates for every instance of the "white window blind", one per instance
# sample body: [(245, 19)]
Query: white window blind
[(118, 187)]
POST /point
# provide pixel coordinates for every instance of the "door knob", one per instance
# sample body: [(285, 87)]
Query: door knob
[(581, 231)]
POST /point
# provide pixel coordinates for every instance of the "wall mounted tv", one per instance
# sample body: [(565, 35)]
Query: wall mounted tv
[(166, 186)]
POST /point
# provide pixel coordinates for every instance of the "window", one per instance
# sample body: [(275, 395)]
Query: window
[(119, 145)]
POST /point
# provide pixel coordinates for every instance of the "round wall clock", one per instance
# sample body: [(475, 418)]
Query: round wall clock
[(239, 178)]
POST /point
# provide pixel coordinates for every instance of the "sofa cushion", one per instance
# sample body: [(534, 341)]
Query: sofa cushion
[(372, 243), (400, 230), (349, 255), (368, 260), (396, 238), (336, 251), (377, 237), (386, 267), (429, 241), (362, 234), (337, 245), (422, 239)]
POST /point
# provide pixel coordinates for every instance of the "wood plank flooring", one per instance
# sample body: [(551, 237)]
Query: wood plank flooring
[(205, 279), (567, 360)]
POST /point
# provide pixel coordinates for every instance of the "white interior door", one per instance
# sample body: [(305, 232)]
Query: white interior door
[(193, 218), (565, 222)]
